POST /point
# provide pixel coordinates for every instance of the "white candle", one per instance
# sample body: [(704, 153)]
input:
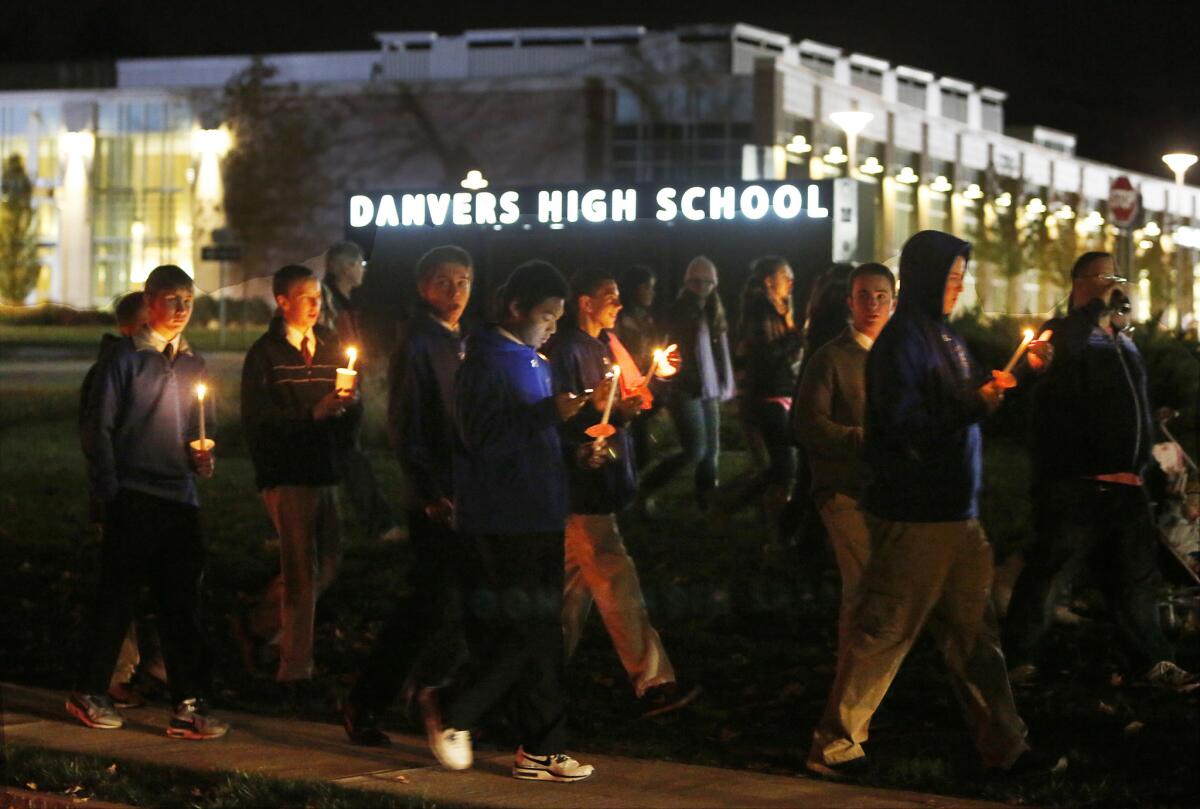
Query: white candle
[(612, 392), (1020, 350), (201, 389)]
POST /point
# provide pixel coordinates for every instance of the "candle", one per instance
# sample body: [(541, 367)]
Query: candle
[(1028, 338), (201, 389), (612, 392), (661, 366), (346, 376), (352, 353)]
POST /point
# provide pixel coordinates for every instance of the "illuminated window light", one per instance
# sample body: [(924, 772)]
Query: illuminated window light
[(871, 166), (973, 191), (799, 145), (474, 180), (908, 176), (940, 185), (835, 156)]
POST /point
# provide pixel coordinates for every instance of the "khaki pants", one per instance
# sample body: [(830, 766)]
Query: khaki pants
[(938, 574), (597, 567), (850, 539), (306, 520)]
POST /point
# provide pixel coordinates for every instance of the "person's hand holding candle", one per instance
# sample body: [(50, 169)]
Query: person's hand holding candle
[(666, 362), (1041, 352), (347, 377)]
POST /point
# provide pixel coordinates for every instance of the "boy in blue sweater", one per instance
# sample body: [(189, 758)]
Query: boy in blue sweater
[(510, 503), (139, 421)]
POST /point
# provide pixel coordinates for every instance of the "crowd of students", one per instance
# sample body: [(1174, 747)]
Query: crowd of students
[(522, 441)]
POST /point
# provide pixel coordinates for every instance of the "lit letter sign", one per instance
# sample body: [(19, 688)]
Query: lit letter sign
[(555, 206)]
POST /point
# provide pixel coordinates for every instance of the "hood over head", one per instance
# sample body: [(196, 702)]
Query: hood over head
[(925, 265)]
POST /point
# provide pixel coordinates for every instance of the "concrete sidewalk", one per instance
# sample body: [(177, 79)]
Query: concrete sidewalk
[(287, 748)]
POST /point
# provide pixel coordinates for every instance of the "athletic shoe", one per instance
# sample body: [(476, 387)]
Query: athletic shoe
[(94, 711), (667, 697), (1165, 674), (557, 767), (452, 749), (363, 727), (846, 771), (123, 695), (193, 721)]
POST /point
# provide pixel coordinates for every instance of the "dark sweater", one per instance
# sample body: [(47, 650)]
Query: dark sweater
[(579, 361), (85, 390), (768, 352), (922, 437), (509, 476), (828, 414), (141, 413), (288, 446), (421, 404), (1091, 410)]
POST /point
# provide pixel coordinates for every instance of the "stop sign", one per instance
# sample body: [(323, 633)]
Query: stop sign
[(1122, 202)]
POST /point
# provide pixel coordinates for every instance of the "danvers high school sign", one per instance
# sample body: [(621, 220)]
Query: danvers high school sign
[(558, 207)]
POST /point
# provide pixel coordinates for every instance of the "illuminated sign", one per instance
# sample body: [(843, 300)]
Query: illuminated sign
[(557, 207)]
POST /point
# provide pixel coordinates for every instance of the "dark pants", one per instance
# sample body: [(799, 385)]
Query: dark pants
[(514, 608), (423, 639), (149, 541), (354, 468), (698, 424), (1109, 527), (771, 420)]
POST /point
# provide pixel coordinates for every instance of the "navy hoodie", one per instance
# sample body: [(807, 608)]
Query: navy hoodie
[(580, 361), (509, 476), (922, 439), (421, 404)]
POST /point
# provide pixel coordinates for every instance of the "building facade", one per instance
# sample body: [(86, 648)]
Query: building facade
[(130, 161)]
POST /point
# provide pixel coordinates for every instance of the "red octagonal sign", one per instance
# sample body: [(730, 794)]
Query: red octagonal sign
[(1122, 202)]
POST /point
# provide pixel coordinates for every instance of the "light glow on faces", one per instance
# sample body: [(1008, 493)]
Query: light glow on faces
[(169, 311), (871, 304), (954, 285), (603, 306), (301, 306), (536, 326)]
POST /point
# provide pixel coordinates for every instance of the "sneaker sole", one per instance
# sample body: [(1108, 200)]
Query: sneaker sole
[(191, 735), (526, 774), (77, 712)]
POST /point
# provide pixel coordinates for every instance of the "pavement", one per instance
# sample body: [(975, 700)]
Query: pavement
[(290, 748)]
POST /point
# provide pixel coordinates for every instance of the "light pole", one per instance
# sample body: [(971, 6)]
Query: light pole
[(1179, 163), (852, 122)]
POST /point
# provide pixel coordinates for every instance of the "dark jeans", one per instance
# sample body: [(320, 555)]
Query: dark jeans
[(514, 610), (149, 541), (643, 442), (1107, 526), (698, 424), (771, 419), (423, 639), (354, 467)]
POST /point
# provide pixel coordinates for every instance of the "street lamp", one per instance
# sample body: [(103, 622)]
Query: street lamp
[(852, 122), (474, 180), (1179, 163)]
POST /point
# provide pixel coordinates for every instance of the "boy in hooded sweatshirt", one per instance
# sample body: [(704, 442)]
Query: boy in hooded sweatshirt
[(931, 562), (510, 505)]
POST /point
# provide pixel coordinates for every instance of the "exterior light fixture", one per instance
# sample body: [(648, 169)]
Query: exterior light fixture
[(137, 230), (211, 141), (973, 191), (1035, 206), (799, 145), (836, 156), (1152, 229), (1065, 213), (1145, 244), (474, 180), (941, 185), (907, 176), (852, 122), (1179, 163), (1004, 200), (871, 166)]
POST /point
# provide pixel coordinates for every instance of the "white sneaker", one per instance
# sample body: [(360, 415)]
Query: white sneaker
[(557, 767), (1165, 674), (452, 749)]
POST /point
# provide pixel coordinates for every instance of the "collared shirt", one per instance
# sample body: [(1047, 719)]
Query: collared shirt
[(860, 338), (455, 328), (159, 342), (296, 337)]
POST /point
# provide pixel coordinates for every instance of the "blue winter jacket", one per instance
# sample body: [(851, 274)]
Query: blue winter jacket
[(509, 476), (579, 362), (922, 439)]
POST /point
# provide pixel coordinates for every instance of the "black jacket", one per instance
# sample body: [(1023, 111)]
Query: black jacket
[(768, 352), (682, 327), (288, 446), (579, 361), (421, 406), (1091, 408), (922, 439)]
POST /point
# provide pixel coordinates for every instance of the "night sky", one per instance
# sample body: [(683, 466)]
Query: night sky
[(1123, 76)]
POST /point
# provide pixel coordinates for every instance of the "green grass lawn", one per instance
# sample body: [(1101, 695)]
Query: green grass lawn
[(85, 338), (763, 651)]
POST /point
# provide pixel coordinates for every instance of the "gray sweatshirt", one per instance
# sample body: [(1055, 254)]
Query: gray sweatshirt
[(827, 417), (141, 414)]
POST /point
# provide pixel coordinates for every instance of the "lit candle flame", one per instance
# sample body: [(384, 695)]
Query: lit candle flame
[(663, 366), (352, 353), (1025, 341), (201, 390)]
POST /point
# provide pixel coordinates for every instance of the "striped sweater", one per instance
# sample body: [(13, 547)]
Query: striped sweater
[(289, 447)]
